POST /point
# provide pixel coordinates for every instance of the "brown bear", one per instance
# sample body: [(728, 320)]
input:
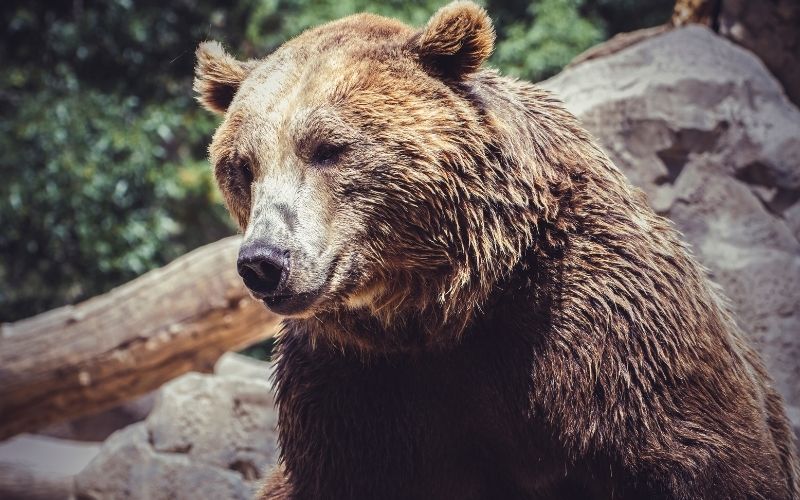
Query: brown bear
[(478, 304)]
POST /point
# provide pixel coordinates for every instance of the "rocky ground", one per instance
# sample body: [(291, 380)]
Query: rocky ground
[(207, 436), (696, 121)]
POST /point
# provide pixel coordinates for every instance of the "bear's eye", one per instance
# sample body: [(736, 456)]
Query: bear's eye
[(326, 154)]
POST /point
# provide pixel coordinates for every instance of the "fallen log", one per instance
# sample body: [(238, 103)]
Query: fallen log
[(82, 359)]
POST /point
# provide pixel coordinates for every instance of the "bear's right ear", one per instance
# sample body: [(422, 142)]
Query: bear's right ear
[(217, 76), (456, 41)]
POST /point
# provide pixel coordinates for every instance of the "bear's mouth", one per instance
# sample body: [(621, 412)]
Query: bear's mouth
[(291, 304), (302, 303)]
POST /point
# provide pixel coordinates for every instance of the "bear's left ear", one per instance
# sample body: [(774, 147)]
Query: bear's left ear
[(218, 76), (456, 41)]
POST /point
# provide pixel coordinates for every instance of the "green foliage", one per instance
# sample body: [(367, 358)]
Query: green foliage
[(538, 49), (103, 151), (537, 39), (99, 191), (261, 350)]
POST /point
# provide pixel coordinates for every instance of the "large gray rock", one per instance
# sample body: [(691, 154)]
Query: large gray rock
[(208, 436), (128, 467), (706, 131), (35, 467), (98, 427), (235, 364)]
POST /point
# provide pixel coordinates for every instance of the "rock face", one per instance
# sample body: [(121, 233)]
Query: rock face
[(98, 427), (36, 467), (707, 132), (208, 436)]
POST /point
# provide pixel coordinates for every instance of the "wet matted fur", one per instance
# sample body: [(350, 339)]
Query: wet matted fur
[(497, 312)]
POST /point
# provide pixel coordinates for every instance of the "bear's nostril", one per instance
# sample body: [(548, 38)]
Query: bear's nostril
[(248, 275), (270, 274), (262, 268)]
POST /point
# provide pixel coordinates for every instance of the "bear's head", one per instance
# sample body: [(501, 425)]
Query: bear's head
[(371, 167)]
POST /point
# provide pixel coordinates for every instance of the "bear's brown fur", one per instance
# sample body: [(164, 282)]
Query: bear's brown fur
[(501, 315)]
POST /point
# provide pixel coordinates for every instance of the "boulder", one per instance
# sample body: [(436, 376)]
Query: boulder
[(37, 467), (128, 467), (208, 436), (235, 364), (706, 131), (99, 426)]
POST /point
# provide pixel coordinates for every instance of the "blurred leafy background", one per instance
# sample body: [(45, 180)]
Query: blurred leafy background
[(103, 171)]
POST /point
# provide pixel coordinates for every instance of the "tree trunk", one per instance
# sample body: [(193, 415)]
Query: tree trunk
[(696, 12), (82, 359)]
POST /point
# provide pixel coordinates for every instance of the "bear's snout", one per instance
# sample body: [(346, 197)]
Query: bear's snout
[(263, 268), (267, 268)]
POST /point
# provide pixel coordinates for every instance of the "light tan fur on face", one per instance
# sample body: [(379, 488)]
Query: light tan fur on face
[(365, 298), (285, 96)]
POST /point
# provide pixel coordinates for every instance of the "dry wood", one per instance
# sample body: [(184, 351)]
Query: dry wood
[(82, 359), (695, 12)]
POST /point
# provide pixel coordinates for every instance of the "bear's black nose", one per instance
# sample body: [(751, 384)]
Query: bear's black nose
[(263, 268)]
